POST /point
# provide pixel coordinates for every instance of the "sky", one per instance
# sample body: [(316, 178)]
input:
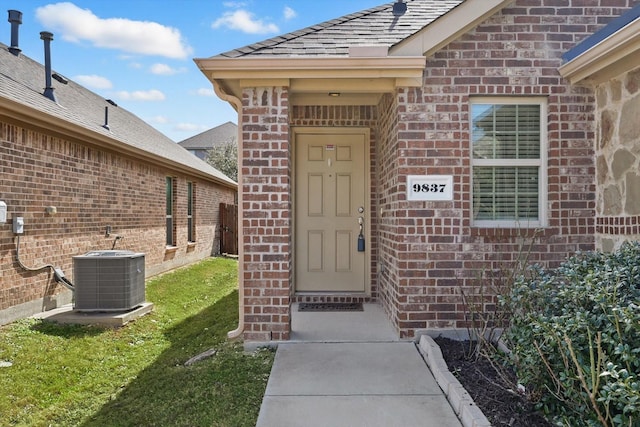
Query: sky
[(140, 53)]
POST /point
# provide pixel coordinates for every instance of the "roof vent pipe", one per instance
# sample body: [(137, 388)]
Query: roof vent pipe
[(106, 120), (48, 90), (15, 17), (399, 8)]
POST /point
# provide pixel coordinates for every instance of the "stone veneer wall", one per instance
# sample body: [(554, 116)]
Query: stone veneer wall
[(618, 161)]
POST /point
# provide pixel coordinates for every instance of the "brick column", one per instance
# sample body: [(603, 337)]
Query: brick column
[(266, 203)]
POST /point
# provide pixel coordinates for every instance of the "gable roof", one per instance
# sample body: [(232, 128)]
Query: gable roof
[(80, 113), (609, 52), (206, 140), (603, 33), (360, 55), (375, 26)]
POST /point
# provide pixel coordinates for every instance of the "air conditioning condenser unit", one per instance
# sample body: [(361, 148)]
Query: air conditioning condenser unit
[(108, 280)]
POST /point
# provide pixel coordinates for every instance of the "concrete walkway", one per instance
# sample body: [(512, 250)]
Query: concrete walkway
[(349, 369)]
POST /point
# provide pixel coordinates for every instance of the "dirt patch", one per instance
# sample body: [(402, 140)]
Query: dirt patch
[(501, 405)]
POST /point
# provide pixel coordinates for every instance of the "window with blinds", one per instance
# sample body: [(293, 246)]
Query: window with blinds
[(508, 154), (170, 203), (191, 226)]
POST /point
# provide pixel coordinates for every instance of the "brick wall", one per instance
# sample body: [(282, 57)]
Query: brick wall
[(391, 268), (90, 188), (266, 206), (429, 251)]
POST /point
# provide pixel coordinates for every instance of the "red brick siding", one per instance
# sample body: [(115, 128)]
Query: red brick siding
[(91, 188), (429, 251), (266, 206), (391, 284)]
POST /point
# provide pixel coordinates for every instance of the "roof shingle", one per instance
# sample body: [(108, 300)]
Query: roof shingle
[(375, 26), (22, 80), (206, 140)]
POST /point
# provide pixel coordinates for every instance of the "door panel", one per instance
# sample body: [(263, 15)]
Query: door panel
[(330, 187)]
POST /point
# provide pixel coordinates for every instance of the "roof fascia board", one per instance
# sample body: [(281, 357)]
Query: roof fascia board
[(448, 27), (326, 67), (25, 114), (606, 59)]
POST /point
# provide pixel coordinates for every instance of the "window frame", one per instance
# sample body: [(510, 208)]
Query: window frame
[(191, 208), (170, 205), (540, 162)]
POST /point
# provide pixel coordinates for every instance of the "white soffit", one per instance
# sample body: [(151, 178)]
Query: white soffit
[(448, 27), (618, 53)]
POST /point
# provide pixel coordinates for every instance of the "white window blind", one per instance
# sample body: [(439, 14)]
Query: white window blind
[(508, 147)]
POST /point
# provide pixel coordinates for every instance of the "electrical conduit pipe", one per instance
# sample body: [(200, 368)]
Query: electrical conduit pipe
[(57, 273)]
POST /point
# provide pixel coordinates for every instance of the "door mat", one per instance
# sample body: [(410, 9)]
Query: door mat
[(330, 306)]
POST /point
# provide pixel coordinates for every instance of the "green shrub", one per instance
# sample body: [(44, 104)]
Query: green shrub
[(575, 337)]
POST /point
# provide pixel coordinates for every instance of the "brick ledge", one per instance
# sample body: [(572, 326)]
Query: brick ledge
[(461, 402)]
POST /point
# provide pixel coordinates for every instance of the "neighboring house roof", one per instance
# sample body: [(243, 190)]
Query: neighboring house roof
[(609, 52), (206, 140), (80, 112), (375, 26)]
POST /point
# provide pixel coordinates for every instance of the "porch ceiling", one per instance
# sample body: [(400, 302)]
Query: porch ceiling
[(360, 80)]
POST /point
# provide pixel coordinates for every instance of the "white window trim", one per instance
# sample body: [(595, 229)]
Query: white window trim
[(541, 163)]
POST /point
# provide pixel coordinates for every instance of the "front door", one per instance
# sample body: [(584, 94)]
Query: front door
[(331, 217)]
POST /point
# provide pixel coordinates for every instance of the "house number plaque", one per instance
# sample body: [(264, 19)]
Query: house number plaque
[(430, 187)]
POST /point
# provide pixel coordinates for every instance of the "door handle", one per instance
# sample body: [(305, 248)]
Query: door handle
[(361, 235)]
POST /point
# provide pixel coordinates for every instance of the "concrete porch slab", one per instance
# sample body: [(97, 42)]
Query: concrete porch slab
[(370, 325), (67, 315)]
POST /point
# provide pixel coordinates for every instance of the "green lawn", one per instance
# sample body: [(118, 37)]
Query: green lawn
[(135, 376)]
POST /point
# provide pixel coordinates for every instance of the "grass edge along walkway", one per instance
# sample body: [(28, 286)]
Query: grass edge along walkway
[(135, 376)]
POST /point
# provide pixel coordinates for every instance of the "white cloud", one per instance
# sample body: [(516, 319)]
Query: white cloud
[(161, 120), (141, 95), (189, 127), (289, 13), (94, 81), (204, 91), (165, 70), (142, 37), (244, 21), (234, 4)]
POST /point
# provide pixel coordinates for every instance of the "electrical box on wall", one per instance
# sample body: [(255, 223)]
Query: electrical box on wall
[(3, 212), (18, 225)]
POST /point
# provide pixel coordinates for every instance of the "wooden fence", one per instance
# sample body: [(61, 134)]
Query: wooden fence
[(228, 229)]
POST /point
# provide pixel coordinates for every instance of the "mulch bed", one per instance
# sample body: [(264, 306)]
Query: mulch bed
[(500, 405)]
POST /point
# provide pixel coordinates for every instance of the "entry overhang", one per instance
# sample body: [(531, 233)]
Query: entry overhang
[(304, 76)]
